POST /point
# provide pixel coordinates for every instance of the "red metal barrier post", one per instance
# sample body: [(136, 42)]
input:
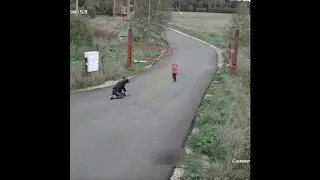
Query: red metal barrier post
[(235, 53), (129, 47), (167, 52), (229, 55)]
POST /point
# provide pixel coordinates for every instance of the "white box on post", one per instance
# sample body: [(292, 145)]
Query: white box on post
[(92, 61)]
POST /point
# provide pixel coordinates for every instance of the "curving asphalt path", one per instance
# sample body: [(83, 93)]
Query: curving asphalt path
[(120, 139)]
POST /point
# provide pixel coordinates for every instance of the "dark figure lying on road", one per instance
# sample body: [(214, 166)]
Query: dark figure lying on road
[(117, 89)]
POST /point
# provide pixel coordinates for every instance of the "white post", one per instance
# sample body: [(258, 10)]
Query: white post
[(77, 8), (128, 9), (114, 8), (149, 8)]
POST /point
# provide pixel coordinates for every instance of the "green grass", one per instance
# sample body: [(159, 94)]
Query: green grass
[(212, 38), (209, 26), (113, 55), (223, 119), (202, 22), (224, 131), (205, 26), (113, 66)]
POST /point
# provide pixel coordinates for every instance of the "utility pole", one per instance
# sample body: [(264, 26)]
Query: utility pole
[(77, 8), (149, 7), (128, 9), (114, 8)]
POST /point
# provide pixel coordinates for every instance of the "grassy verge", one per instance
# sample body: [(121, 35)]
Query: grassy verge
[(212, 38), (222, 130), (113, 55)]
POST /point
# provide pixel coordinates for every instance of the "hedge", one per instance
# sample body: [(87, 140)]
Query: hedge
[(223, 10), (201, 10)]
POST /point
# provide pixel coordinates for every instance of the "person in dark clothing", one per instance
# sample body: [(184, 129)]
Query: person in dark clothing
[(118, 88)]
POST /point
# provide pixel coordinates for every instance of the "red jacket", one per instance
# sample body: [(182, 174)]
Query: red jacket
[(175, 69)]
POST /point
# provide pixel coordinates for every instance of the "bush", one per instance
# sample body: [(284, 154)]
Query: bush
[(91, 11), (104, 9), (201, 10), (72, 7), (190, 8), (80, 33), (241, 21), (223, 10)]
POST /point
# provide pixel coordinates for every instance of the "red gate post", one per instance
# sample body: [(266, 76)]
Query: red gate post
[(129, 48), (235, 53)]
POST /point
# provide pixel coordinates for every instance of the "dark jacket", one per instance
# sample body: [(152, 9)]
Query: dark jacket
[(121, 85)]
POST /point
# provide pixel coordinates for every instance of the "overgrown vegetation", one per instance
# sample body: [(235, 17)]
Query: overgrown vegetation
[(240, 21), (105, 7), (80, 32), (152, 23), (213, 6), (95, 7), (222, 10), (223, 120)]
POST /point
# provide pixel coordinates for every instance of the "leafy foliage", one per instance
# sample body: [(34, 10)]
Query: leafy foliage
[(201, 9), (241, 21), (223, 10), (151, 25), (80, 33), (193, 5)]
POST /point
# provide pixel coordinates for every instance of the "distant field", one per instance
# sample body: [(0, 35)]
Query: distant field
[(203, 22), (208, 26)]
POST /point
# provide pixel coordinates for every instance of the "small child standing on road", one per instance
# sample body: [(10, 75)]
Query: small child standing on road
[(175, 71)]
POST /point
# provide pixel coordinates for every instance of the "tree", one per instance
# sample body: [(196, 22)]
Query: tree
[(104, 7), (227, 2), (80, 32), (205, 3), (215, 3), (175, 3), (193, 3), (239, 21), (200, 4), (190, 8), (91, 11), (160, 16), (221, 3), (80, 2), (183, 5)]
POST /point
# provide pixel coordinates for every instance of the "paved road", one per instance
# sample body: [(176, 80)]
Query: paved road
[(119, 139)]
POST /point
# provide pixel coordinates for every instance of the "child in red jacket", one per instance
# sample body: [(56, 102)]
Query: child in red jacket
[(175, 71)]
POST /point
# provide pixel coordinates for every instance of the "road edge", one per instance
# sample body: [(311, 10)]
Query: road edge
[(112, 83), (218, 50), (219, 64)]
